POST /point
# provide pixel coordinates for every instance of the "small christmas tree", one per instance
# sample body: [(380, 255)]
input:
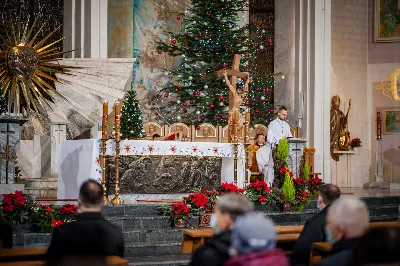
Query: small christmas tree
[(131, 117)]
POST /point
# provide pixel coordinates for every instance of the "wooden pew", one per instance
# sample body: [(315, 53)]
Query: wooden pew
[(110, 261)]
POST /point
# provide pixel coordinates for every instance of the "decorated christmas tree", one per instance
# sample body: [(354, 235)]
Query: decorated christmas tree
[(209, 37), (131, 117)]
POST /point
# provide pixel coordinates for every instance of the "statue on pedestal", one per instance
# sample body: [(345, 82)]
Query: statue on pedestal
[(340, 136)]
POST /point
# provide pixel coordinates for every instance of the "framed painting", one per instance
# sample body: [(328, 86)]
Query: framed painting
[(392, 122), (387, 21)]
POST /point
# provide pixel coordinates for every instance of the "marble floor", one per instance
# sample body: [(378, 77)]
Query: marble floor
[(169, 198)]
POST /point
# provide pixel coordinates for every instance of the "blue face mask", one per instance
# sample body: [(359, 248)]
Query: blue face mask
[(329, 238), (319, 206), (213, 224)]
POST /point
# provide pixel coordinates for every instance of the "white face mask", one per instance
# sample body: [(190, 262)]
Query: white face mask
[(213, 224), (319, 206)]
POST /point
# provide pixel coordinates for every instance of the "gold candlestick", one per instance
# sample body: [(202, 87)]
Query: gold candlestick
[(246, 145), (117, 110), (378, 126), (103, 150), (235, 143)]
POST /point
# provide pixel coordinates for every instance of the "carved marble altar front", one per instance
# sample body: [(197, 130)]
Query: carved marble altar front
[(296, 150)]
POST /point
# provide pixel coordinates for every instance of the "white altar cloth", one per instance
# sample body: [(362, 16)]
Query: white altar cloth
[(79, 160)]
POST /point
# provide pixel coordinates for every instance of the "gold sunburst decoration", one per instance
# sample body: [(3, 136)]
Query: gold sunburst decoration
[(26, 68)]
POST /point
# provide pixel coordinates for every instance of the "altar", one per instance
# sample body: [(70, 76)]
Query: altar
[(149, 166)]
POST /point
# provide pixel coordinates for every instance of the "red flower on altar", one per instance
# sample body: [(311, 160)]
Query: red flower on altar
[(230, 188), (127, 148), (299, 181), (303, 194), (260, 186), (290, 174), (316, 180), (262, 199), (13, 201), (282, 170), (47, 208), (198, 199), (56, 223), (179, 211)]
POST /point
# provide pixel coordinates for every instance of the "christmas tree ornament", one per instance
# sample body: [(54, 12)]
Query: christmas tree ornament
[(205, 87), (184, 104), (262, 98), (178, 101), (198, 112), (178, 118), (221, 104), (159, 52)]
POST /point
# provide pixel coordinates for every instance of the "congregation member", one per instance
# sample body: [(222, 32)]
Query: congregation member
[(346, 221), (254, 242), (259, 142), (314, 229), (216, 251), (156, 137), (6, 240), (378, 246), (91, 234)]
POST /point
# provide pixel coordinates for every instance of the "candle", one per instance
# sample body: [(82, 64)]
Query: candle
[(105, 120), (247, 117), (246, 127), (235, 127), (117, 111), (378, 126), (236, 116)]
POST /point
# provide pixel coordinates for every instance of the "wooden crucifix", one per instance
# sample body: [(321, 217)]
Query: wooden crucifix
[(235, 100)]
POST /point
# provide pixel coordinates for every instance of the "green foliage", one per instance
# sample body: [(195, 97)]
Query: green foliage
[(282, 151), (131, 117), (288, 188), (306, 171), (208, 39)]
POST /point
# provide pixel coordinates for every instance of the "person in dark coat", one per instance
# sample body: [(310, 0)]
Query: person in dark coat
[(314, 229), (378, 246), (216, 251), (254, 242), (91, 234), (346, 221), (6, 239)]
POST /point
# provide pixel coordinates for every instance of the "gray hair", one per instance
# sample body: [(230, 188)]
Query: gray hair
[(351, 213), (234, 204)]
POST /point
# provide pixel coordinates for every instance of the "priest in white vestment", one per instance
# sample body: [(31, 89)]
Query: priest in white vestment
[(277, 130)]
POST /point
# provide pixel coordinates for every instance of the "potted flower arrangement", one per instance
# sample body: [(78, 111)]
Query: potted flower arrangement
[(179, 215), (199, 205), (15, 209), (355, 144), (313, 185), (258, 192)]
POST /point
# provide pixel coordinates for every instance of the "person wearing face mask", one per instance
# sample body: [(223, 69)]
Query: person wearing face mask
[(314, 229), (346, 221), (216, 251), (254, 242)]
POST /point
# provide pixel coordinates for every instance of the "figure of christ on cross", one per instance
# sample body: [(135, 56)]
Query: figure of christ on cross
[(235, 99)]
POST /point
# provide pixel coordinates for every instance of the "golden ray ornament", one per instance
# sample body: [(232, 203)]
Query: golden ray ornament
[(26, 68)]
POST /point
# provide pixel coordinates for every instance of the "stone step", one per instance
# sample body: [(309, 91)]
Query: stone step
[(169, 260), (40, 182), (153, 249), (48, 193), (133, 209)]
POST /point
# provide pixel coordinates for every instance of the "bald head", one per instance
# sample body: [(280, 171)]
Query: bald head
[(327, 194), (91, 195), (347, 218)]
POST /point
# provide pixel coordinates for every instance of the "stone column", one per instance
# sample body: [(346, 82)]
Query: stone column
[(9, 144), (58, 133)]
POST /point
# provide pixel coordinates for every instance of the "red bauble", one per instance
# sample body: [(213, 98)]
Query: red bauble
[(200, 34), (206, 36), (159, 52), (179, 86), (207, 13), (184, 110), (221, 98), (178, 17), (202, 75), (211, 105), (186, 34), (184, 104), (197, 127), (224, 64), (257, 111), (223, 117), (202, 117), (191, 101), (194, 93), (156, 113), (256, 44), (271, 111), (246, 103), (153, 103), (198, 93), (270, 41), (247, 4), (166, 95), (173, 41)]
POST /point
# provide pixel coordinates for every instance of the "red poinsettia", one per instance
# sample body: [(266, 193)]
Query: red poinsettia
[(198, 199), (282, 170), (262, 199), (229, 188), (56, 223), (68, 209), (47, 208), (179, 211), (299, 181), (260, 186), (13, 201)]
